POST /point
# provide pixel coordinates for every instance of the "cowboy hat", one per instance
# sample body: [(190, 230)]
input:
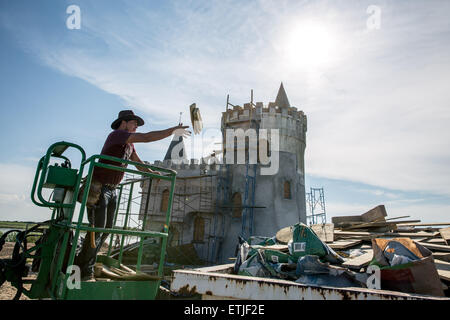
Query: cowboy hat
[(126, 115)]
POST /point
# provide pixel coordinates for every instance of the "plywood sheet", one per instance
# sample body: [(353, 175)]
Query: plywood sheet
[(445, 234), (360, 261), (324, 231), (344, 244), (443, 269), (376, 214)]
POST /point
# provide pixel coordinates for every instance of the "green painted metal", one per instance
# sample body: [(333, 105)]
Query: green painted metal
[(52, 280), (43, 168), (38, 288), (130, 196), (59, 176)]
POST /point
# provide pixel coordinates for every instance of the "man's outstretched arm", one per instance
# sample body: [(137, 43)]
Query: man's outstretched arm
[(154, 135)]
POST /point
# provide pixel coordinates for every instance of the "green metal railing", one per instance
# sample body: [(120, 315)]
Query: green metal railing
[(63, 213)]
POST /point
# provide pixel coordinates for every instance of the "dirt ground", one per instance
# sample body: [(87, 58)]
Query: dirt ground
[(7, 291)]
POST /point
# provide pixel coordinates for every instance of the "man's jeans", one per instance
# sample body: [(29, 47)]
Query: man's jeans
[(101, 216)]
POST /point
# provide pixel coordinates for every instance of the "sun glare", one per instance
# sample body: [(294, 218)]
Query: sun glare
[(309, 44)]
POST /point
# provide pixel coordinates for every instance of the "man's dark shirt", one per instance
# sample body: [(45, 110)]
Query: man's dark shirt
[(115, 146)]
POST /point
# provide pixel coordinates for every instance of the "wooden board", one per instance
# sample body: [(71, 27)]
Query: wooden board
[(375, 214), (377, 224), (437, 247), (395, 218), (443, 256), (346, 219), (344, 244), (435, 241), (368, 235), (360, 261), (443, 269), (445, 234), (424, 224), (420, 239), (325, 232)]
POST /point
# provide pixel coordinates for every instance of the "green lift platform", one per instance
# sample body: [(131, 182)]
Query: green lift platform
[(54, 253)]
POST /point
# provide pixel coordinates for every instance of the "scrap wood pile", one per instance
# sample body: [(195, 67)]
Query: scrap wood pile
[(105, 272), (412, 257)]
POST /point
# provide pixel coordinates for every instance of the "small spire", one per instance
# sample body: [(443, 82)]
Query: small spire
[(282, 100)]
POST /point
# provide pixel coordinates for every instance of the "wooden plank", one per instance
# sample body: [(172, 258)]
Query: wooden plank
[(445, 234), (368, 235), (443, 269), (443, 256), (344, 244), (345, 219), (395, 218), (325, 232), (420, 239), (376, 224), (360, 261), (423, 224), (377, 213), (435, 241), (437, 247)]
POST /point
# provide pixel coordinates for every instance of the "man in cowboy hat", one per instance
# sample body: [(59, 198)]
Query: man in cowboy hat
[(102, 199)]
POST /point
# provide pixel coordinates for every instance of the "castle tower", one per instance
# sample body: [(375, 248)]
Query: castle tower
[(279, 194), (256, 194)]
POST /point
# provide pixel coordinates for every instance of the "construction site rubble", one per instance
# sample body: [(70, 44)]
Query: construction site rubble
[(408, 260)]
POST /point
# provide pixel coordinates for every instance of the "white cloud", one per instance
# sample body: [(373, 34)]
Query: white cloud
[(15, 189)]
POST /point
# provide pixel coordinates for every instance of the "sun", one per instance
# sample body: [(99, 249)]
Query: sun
[(309, 44)]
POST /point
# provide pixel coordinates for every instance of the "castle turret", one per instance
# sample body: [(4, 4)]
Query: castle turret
[(279, 193)]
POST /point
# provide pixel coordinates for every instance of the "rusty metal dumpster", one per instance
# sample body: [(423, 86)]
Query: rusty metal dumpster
[(217, 282)]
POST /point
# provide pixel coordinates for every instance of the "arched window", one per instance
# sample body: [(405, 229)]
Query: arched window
[(199, 229), (237, 205), (287, 190), (165, 200)]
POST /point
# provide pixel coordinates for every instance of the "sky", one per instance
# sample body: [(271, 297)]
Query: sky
[(372, 77)]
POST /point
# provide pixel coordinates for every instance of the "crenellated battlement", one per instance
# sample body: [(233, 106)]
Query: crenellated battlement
[(290, 123), (250, 111), (287, 119)]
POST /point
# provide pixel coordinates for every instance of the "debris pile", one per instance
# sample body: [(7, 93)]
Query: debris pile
[(365, 251)]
